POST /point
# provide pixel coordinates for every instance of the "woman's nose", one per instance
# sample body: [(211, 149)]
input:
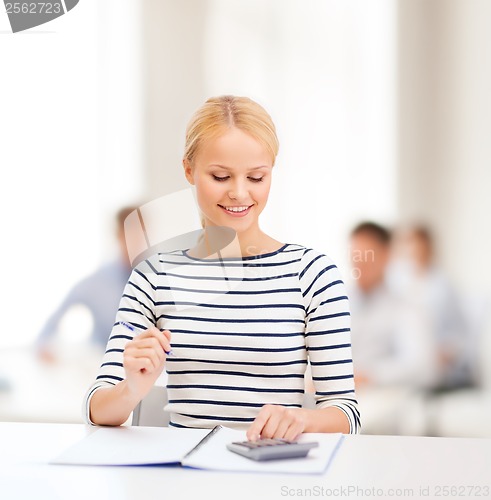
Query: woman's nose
[(238, 191)]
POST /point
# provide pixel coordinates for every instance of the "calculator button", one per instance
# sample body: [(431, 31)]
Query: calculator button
[(246, 444)]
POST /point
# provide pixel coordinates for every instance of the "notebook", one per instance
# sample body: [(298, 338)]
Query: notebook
[(195, 448)]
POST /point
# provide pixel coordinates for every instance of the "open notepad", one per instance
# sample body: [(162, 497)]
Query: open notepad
[(196, 448)]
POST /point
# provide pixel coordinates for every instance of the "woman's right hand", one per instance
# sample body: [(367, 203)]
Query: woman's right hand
[(144, 360)]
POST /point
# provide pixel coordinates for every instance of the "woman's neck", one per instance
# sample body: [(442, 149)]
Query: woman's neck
[(260, 244), (245, 244)]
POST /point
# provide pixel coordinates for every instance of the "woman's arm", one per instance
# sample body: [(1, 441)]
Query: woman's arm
[(328, 343), (112, 405), (330, 419), (143, 362)]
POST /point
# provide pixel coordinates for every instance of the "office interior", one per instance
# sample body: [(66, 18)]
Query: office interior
[(383, 114)]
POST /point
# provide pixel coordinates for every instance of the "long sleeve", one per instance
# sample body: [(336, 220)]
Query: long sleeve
[(136, 308), (327, 335)]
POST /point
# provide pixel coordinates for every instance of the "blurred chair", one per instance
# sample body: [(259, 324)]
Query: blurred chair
[(150, 411), (466, 411), (476, 310)]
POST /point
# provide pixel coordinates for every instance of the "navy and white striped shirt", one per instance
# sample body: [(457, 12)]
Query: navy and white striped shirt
[(242, 331)]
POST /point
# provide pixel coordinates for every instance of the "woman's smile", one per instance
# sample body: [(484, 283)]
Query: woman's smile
[(236, 211)]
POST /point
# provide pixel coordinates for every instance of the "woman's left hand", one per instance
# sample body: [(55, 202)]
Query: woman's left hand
[(275, 421)]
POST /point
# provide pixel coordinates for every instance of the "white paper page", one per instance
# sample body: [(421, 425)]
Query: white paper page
[(132, 446), (214, 455)]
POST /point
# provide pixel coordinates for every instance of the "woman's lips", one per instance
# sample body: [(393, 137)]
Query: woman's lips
[(243, 213)]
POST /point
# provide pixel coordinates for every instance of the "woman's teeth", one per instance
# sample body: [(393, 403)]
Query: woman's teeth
[(236, 209)]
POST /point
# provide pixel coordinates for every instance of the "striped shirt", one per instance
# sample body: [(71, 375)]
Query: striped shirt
[(242, 331)]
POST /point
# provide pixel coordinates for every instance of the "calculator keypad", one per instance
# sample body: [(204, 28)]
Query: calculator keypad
[(271, 449)]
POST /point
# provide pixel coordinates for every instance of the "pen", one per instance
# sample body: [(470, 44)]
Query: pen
[(203, 441), (133, 329)]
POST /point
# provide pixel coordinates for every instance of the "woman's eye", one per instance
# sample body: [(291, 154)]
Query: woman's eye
[(222, 179)]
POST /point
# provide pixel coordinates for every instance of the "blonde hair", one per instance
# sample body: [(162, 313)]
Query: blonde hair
[(224, 112)]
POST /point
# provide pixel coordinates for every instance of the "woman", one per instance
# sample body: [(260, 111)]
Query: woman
[(238, 360)]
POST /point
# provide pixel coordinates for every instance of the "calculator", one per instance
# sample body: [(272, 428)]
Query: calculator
[(271, 449)]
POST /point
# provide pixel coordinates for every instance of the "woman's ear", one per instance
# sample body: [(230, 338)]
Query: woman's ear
[(188, 171)]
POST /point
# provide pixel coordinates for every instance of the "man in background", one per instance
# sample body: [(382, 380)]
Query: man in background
[(99, 292)]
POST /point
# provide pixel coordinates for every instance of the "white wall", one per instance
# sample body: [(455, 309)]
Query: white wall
[(120, 119), (48, 156), (69, 132), (173, 37), (444, 130)]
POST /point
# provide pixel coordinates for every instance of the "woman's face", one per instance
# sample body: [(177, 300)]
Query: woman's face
[(232, 175)]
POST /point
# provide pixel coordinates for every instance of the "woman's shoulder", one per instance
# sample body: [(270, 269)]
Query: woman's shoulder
[(158, 263), (318, 275), (310, 256), (311, 265)]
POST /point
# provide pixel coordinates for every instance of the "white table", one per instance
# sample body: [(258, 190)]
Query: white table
[(375, 464)]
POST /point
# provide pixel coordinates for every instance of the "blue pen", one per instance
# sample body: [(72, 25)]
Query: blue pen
[(133, 329)]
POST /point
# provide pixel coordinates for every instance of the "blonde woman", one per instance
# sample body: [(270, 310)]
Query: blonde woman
[(238, 361)]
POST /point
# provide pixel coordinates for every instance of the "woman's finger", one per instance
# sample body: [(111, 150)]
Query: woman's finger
[(148, 343), (149, 354), (163, 337), (297, 425), (270, 429), (282, 429), (254, 431), (134, 365)]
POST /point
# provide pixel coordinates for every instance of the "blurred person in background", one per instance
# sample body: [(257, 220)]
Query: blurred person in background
[(390, 335), (99, 292), (415, 275), (393, 353)]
